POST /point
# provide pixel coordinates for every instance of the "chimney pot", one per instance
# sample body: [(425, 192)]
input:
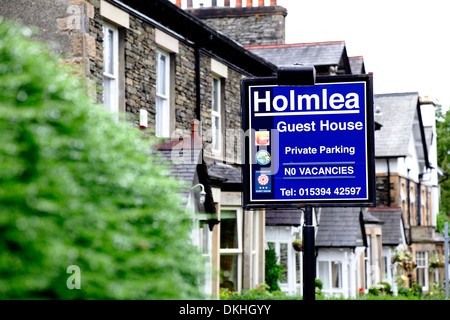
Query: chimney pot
[(261, 3), (249, 3), (196, 141), (238, 3), (189, 3), (178, 3), (227, 3), (273, 2)]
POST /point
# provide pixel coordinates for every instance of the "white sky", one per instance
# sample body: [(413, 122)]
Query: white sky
[(405, 43)]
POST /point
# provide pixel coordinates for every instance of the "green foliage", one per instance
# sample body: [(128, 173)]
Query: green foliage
[(262, 292), (380, 288), (440, 221), (443, 154), (274, 271), (79, 188), (318, 284), (414, 291)]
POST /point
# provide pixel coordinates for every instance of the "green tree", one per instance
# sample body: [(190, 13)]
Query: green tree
[(82, 203), (443, 153), (273, 270)]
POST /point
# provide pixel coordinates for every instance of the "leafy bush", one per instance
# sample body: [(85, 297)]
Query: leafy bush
[(262, 292), (274, 271), (414, 290), (77, 188), (380, 288)]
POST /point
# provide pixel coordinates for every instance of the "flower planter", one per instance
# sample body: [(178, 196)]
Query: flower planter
[(298, 246)]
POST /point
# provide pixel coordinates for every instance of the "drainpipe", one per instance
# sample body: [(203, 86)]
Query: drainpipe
[(197, 82), (408, 198), (419, 186), (388, 182)]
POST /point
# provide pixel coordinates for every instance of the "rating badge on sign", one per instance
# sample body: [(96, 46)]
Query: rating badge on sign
[(263, 183), (262, 157), (262, 138)]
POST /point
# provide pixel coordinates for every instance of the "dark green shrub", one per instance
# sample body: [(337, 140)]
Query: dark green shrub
[(79, 189), (380, 288), (318, 284), (274, 271)]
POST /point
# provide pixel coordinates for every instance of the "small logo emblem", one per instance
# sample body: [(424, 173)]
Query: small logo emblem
[(263, 179), (262, 157), (262, 183), (262, 138)]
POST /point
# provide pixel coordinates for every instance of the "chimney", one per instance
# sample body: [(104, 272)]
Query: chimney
[(178, 3), (196, 141), (248, 24), (192, 142), (189, 3)]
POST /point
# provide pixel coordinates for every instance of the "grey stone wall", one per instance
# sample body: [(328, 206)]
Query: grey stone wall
[(247, 25), (74, 28), (42, 15)]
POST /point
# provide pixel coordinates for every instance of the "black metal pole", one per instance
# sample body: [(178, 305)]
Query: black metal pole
[(309, 258)]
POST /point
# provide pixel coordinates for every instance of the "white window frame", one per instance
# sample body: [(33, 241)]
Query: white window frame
[(111, 91), (239, 250), (216, 113), (284, 235), (422, 264), (162, 104), (328, 282)]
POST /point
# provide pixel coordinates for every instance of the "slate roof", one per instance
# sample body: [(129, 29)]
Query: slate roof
[(283, 217), (184, 171), (369, 218), (340, 227), (395, 112), (357, 65), (191, 171), (331, 53), (229, 177), (392, 227)]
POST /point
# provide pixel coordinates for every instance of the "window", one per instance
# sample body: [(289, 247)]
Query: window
[(216, 119), (330, 272), (231, 249), (385, 266), (336, 275), (110, 68), (422, 269), (162, 94)]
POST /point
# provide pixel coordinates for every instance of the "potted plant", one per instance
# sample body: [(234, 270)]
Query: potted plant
[(437, 261), (405, 259), (297, 245)]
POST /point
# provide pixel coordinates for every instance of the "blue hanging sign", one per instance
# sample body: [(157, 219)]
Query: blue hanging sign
[(308, 144)]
